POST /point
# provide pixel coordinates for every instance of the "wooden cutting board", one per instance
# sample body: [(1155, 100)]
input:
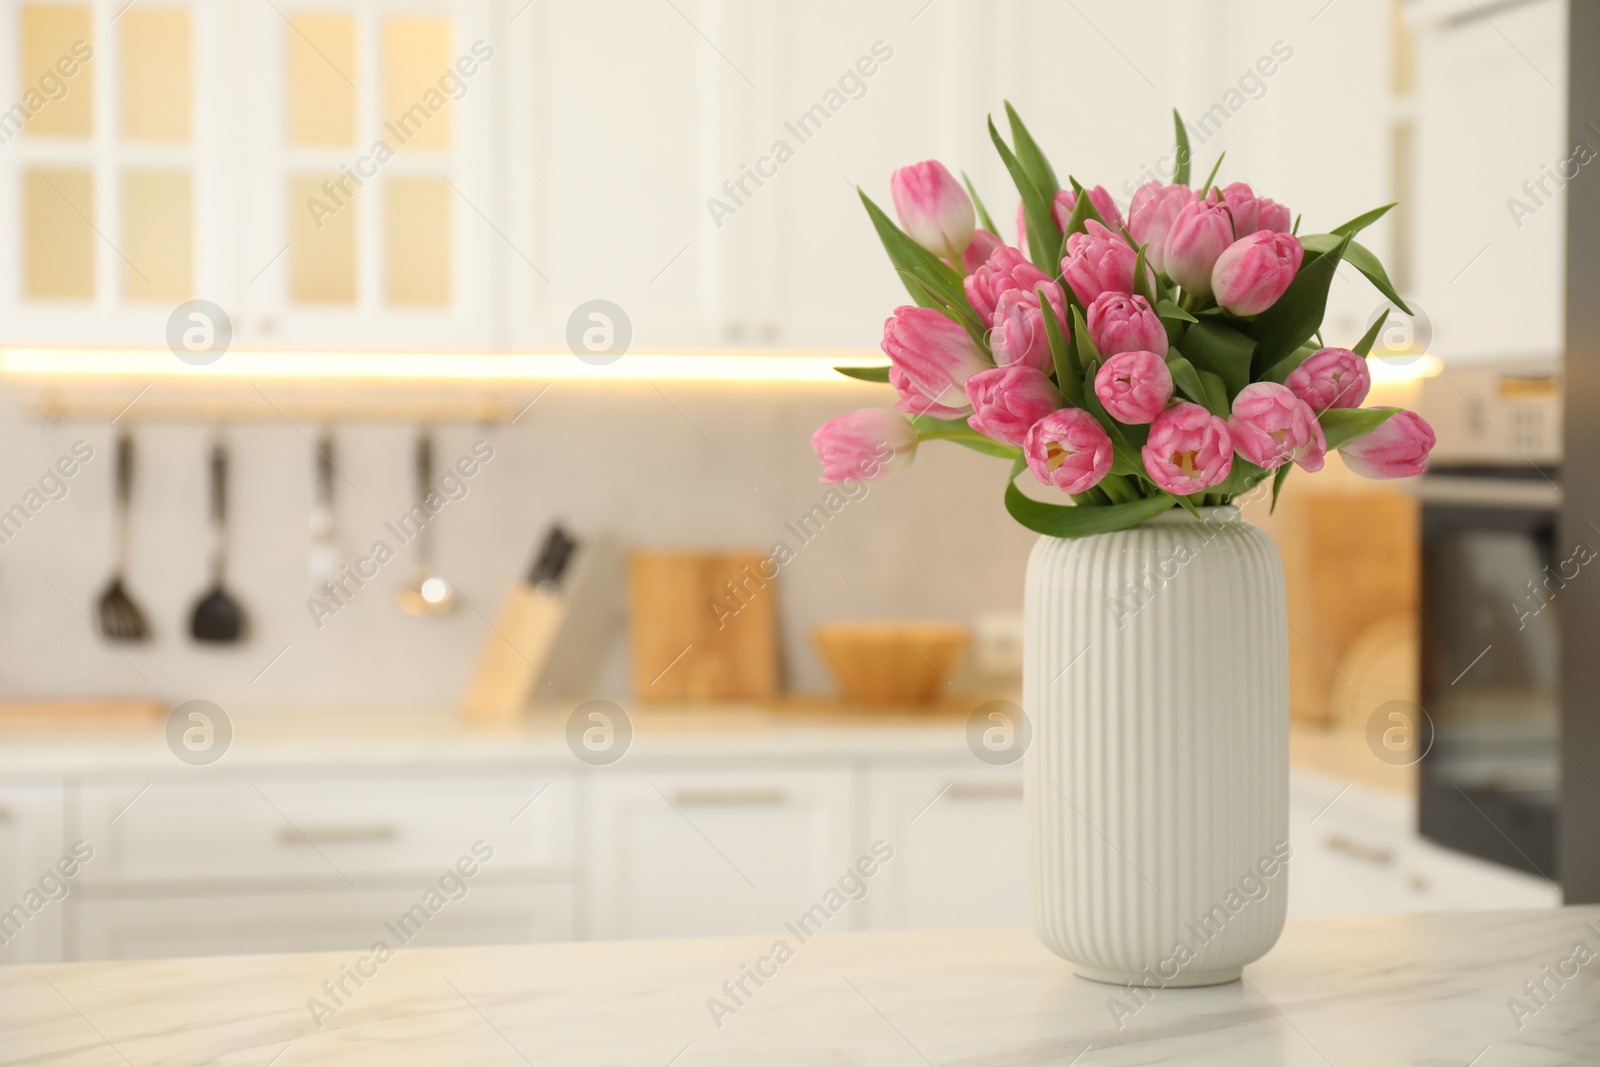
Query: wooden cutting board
[(702, 626)]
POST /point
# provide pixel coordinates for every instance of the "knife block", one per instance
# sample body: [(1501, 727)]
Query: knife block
[(513, 654)]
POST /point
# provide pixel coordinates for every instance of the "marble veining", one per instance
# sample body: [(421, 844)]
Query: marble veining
[(1367, 991)]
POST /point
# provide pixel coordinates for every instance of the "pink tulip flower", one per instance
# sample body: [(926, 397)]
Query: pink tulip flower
[(1007, 268), (1331, 378), (1066, 202), (1134, 387), (1019, 335), (865, 444), (1254, 271), (1250, 212), (1189, 450), (1198, 236), (1068, 449), (978, 252), (1121, 323), (1154, 209), (931, 359), (1275, 216), (1242, 205), (935, 211), (1062, 207), (1006, 401), (1099, 261), (1271, 426), (1397, 449)]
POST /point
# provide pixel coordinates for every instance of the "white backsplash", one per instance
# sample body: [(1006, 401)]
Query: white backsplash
[(719, 466)]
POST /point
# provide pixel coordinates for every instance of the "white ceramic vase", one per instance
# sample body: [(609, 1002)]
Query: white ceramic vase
[(1157, 780)]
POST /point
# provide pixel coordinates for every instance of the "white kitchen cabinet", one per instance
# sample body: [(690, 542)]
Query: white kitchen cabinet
[(691, 853), (1491, 121), (338, 830), (209, 924), (32, 841), (1358, 851), (957, 834)]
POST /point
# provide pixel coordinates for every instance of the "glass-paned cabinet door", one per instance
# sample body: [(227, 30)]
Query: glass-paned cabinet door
[(373, 201), (100, 162), (319, 169)]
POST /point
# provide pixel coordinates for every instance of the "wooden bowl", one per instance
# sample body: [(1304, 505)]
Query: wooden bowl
[(891, 663)]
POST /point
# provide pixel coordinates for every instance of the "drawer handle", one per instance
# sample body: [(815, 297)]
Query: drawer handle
[(1373, 854), (729, 798), (984, 790), (335, 835)]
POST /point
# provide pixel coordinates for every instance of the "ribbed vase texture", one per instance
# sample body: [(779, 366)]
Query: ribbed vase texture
[(1157, 781)]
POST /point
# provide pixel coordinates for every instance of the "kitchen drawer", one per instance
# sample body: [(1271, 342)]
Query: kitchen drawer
[(336, 830), (709, 853), (959, 848), (325, 921)]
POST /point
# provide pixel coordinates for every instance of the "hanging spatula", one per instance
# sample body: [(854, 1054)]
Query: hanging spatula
[(218, 617), (117, 614)]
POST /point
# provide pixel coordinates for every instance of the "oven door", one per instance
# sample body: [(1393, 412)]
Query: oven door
[(1492, 575)]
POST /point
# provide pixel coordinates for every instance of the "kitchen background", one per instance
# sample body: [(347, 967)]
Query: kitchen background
[(627, 151)]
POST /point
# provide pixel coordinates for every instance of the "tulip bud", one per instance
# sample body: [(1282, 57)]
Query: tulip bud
[(1274, 216), (1068, 449), (1154, 209), (1134, 387), (1019, 335), (1331, 378), (931, 359), (978, 252), (864, 444), (1121, 323), (1254, 271), (1066, 202), (1397, 449), (1189, 450), (935, 211), (1271, 426), (1201, 231), (1006, 269), (1007, 401), (1099, 261)]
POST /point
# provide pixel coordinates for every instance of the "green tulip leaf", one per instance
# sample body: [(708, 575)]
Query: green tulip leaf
[(865, 374), (977, 202), (1031, 156), (1342, 425), (1363, 347), (1044, 243), (930, 280), (1362, 221), (1279, 372), (1180, 166), (1067, 375), (1212, 346), (1058, 520), (1206, 188), (1277, 485), (1358, 256), (1185, 377), (1217, 397)]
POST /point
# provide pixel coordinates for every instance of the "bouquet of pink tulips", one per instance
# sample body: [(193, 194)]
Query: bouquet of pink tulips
[(1170, 359)]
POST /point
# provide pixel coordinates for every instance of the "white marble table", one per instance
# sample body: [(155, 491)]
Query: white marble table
[(1359, 991)]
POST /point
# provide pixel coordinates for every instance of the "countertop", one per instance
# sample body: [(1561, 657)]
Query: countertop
[(394, 739), (1366, 991), (422, 738)]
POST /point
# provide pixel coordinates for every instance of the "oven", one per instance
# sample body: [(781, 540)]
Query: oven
[(1493, 571)]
